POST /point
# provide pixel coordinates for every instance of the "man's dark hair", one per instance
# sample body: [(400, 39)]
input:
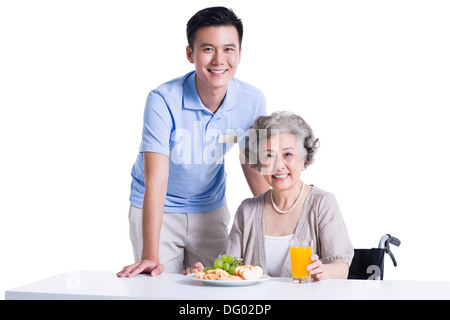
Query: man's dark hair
[(214, 16)]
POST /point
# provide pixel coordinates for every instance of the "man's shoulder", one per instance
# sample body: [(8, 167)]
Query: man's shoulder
[(245, 86), (171, 86)]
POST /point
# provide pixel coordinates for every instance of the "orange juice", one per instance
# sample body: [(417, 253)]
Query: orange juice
[(300, 258)]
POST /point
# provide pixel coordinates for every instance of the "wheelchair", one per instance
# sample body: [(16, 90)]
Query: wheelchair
[(368, 264)]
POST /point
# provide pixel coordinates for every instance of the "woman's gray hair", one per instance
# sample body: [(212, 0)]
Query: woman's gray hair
[(280, 122)]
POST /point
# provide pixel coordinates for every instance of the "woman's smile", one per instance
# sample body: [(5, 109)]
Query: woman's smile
[(280, 177)]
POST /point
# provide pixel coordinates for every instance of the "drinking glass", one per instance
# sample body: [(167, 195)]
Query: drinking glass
[(301, 252)]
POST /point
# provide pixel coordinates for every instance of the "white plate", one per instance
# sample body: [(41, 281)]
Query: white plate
[(228, 283)]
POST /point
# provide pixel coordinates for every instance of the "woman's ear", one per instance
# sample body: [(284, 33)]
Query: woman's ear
[(302, 165)]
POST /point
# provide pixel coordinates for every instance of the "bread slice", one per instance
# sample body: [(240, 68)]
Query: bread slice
[(249, 272)]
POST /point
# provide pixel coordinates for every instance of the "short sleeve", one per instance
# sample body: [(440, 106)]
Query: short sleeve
[(158, 125), (335, 244), (262, 106)]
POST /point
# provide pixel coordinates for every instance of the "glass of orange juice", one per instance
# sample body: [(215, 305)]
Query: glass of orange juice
[(301, 252)]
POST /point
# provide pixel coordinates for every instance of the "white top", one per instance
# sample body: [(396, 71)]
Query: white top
[(277, 248), (106, 285)]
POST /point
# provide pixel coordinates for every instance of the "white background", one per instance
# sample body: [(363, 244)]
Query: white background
[(371, 78)]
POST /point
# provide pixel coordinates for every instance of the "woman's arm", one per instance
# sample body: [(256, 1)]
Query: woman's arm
[(336, 250), (335, 244), (320, 271)]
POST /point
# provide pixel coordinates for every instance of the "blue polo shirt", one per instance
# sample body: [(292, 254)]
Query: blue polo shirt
[(177, 124)]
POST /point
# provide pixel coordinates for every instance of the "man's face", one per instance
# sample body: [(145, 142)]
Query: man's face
[(216, 56)]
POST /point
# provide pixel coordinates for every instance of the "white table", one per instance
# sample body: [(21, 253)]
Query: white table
[(105, 285)]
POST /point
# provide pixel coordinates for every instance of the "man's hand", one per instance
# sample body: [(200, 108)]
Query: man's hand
[(143, 266)]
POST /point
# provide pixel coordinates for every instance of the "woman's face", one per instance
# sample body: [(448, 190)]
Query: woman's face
[(281, 161)]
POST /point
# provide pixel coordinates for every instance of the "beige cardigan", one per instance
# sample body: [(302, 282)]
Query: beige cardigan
[(320, 221)]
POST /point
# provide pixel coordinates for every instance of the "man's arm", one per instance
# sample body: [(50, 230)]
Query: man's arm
[(255, 180), (156, 173)]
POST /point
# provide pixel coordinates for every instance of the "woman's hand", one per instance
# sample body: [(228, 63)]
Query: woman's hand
[(143, 266), (317, 269), (320, 271), (198, 266)]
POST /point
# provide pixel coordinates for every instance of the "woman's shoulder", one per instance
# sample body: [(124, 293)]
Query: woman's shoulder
[(251, 203), (251, 206), (319, 195)]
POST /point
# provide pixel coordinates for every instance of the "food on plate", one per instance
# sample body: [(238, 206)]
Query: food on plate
[(227, 263), (230, 268), (216, 274)]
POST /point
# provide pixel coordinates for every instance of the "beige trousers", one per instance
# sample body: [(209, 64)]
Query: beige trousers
[(185, 237)]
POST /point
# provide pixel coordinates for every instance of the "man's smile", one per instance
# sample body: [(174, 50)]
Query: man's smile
[(217, 72)]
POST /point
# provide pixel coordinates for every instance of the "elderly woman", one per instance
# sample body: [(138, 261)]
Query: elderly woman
[(264, 224)]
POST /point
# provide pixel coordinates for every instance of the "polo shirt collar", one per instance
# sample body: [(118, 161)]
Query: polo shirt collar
[(192, 100)]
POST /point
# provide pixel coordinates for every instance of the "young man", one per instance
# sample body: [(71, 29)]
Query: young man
[(178, 213)]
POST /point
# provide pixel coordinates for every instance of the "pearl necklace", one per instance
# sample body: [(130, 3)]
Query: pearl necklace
[(291, 208)]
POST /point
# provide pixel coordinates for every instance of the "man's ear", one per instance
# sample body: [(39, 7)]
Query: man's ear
[(240, 53), (190, 54)]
